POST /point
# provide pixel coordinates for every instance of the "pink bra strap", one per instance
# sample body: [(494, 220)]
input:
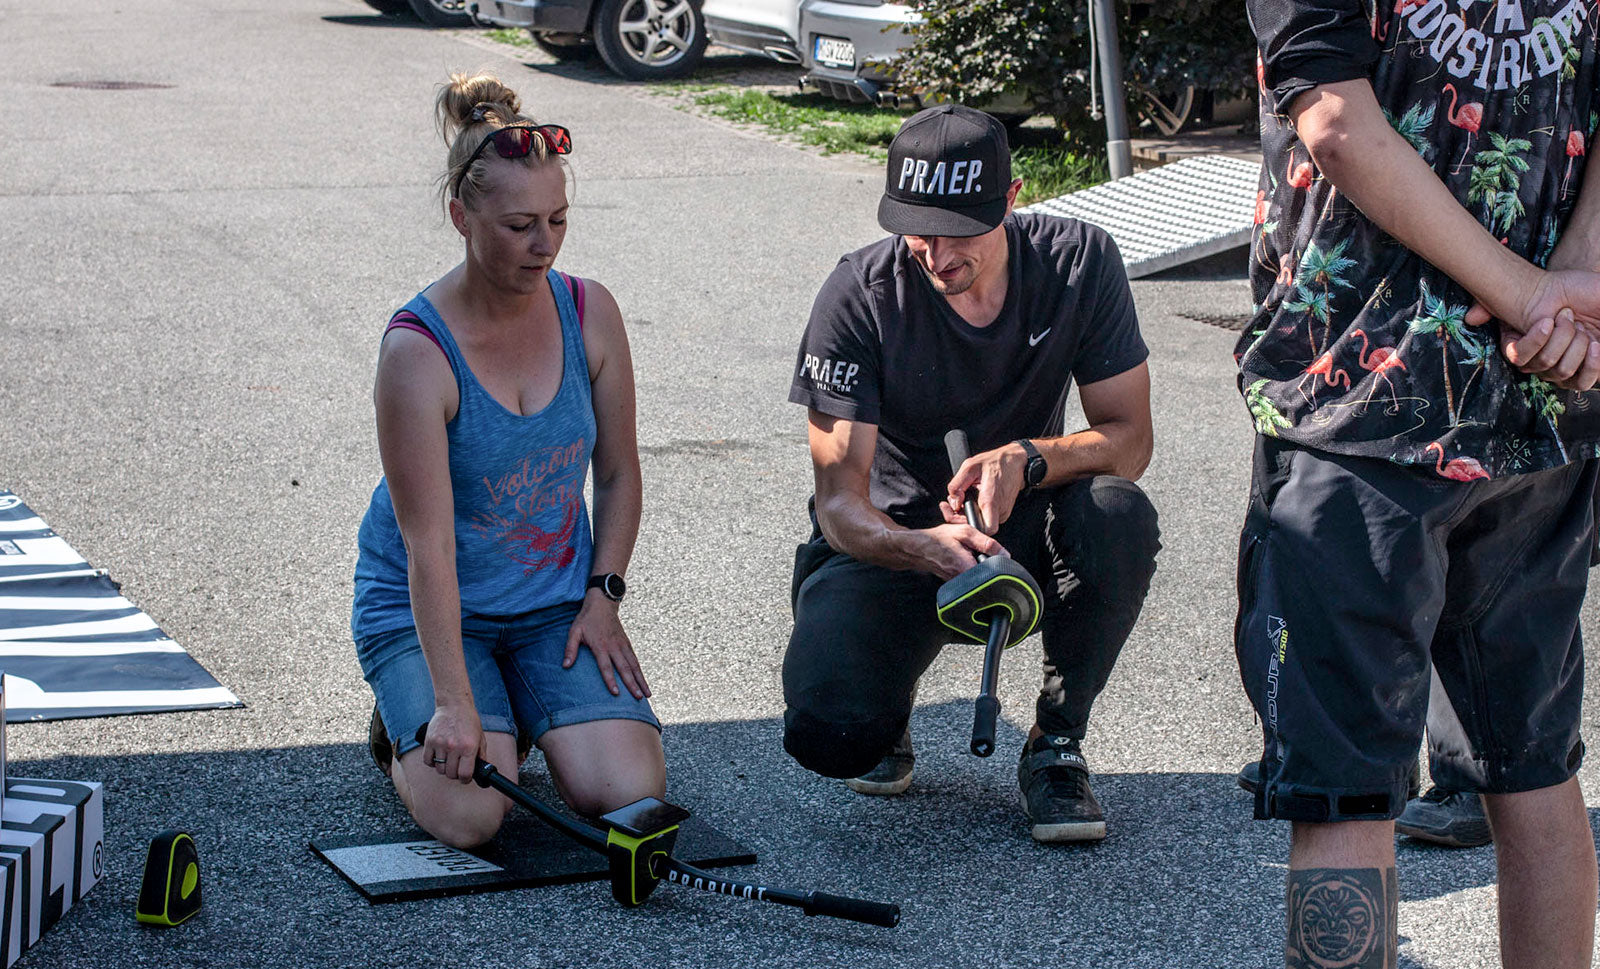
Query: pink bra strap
[(575, 286), (407, 320)]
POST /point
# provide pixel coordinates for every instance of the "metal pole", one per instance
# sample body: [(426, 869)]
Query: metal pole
[(1119, 152)]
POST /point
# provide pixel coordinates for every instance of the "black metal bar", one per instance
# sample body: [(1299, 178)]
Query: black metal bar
[(987, 708), (812, 903)]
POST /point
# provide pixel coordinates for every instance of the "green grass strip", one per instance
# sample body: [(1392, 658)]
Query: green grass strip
[(1048, 164)]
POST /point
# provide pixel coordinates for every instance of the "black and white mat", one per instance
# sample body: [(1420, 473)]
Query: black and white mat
[(71, 646), (398, 867)]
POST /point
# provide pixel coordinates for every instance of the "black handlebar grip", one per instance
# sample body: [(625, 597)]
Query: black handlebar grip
[(983, 718), (854, 909), (955, 445)]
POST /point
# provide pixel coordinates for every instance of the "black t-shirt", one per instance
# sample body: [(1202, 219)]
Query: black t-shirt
[(1358, 345), (883, 347)]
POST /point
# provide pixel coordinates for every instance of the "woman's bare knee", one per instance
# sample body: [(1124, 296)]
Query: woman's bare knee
[(463, 823), (460, 815), (600, 766)]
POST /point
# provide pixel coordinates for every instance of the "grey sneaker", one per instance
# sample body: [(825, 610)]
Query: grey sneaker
[(1054, 779), (893, 773), (1451, 818)]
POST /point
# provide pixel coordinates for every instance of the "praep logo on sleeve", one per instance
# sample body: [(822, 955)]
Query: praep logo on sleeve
[(837, 376)]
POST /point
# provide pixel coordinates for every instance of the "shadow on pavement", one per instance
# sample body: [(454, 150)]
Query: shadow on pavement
[(1185, 878), (1230, 264), (376, 20)]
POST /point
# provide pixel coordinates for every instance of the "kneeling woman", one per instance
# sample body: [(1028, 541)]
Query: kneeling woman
[(484, 607)]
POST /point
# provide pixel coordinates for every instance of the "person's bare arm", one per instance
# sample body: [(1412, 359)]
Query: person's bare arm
[(618, 493), (1118, 440), (414, 396), (841, 459), (1343, 128), (1579, 246)]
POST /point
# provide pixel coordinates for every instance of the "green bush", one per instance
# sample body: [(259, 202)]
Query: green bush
[(984, 52)]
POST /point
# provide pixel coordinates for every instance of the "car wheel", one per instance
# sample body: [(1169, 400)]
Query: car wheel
[(390, 7), (563, 47), (649, 40), (441, 13)]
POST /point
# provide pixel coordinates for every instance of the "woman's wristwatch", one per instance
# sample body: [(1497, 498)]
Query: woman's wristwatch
[(610, 585)]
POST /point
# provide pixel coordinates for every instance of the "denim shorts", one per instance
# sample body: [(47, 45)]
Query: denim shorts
[(514, 666)]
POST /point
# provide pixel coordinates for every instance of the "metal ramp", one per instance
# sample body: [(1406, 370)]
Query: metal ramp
[(1170, 215)]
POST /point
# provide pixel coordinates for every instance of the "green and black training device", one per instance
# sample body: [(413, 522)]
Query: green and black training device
[(171, 890), (639, 838), (638, 841), (996, 602)]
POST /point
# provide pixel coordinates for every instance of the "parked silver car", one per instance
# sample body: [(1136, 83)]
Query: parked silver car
[(848, 47), (647, 40), (769, 27), (641, 40)]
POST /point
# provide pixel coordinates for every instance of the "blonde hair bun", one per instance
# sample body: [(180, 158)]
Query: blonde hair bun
[(460, 100)]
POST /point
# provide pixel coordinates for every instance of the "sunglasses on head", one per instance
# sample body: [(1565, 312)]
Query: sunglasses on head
[(516, 141)]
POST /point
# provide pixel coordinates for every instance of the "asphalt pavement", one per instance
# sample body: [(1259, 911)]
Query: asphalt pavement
[(194, 278)]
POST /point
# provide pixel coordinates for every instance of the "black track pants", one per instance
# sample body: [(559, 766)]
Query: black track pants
[(863, 634)]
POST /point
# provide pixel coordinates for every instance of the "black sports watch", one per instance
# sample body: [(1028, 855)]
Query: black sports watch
[(610, 585), (1034, 471)]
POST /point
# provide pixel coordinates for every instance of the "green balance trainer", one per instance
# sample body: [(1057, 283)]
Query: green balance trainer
[(171, 890)]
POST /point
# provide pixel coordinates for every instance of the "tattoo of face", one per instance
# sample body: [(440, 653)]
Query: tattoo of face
[(1342, 918)]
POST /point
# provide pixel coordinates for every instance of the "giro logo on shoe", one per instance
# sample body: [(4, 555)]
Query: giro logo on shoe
[(1278, 637)]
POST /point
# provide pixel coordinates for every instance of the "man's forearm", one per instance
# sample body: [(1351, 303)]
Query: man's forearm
[(1579, 247), (1344, 129), (852, 526), (1111, 447)]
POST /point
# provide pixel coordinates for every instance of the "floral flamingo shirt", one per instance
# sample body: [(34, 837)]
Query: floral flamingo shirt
[(1357, 345)]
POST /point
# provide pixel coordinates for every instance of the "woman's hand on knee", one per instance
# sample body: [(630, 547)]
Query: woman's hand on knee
[(599, 628), (454, 741)]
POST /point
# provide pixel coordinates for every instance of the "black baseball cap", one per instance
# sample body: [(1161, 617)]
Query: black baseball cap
[(949, 170)]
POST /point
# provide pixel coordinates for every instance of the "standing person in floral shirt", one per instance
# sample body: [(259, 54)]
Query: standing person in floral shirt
[(1421, 510)]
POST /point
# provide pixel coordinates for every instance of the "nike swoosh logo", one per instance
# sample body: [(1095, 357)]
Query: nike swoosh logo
[(1034, 338)]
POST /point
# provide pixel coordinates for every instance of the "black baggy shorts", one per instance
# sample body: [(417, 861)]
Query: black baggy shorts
[(1374, 598)]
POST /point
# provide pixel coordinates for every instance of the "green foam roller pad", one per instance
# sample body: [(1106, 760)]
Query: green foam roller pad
[(967, 602)]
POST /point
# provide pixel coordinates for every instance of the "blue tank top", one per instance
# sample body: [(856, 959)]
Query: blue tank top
[(522, 528)]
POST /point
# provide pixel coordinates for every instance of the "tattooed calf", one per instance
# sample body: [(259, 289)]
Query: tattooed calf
[(1342, 918)]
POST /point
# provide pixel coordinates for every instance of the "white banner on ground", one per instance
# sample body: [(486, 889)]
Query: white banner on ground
[(72, 646)]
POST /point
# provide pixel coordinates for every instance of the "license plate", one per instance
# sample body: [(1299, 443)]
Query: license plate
[(833, 52)]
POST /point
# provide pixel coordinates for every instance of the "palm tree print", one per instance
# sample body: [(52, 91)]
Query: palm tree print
[(1268, 417), (1541, 395), (1413, 127), (1326, 269), (1448, 322), (1495, 180)]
